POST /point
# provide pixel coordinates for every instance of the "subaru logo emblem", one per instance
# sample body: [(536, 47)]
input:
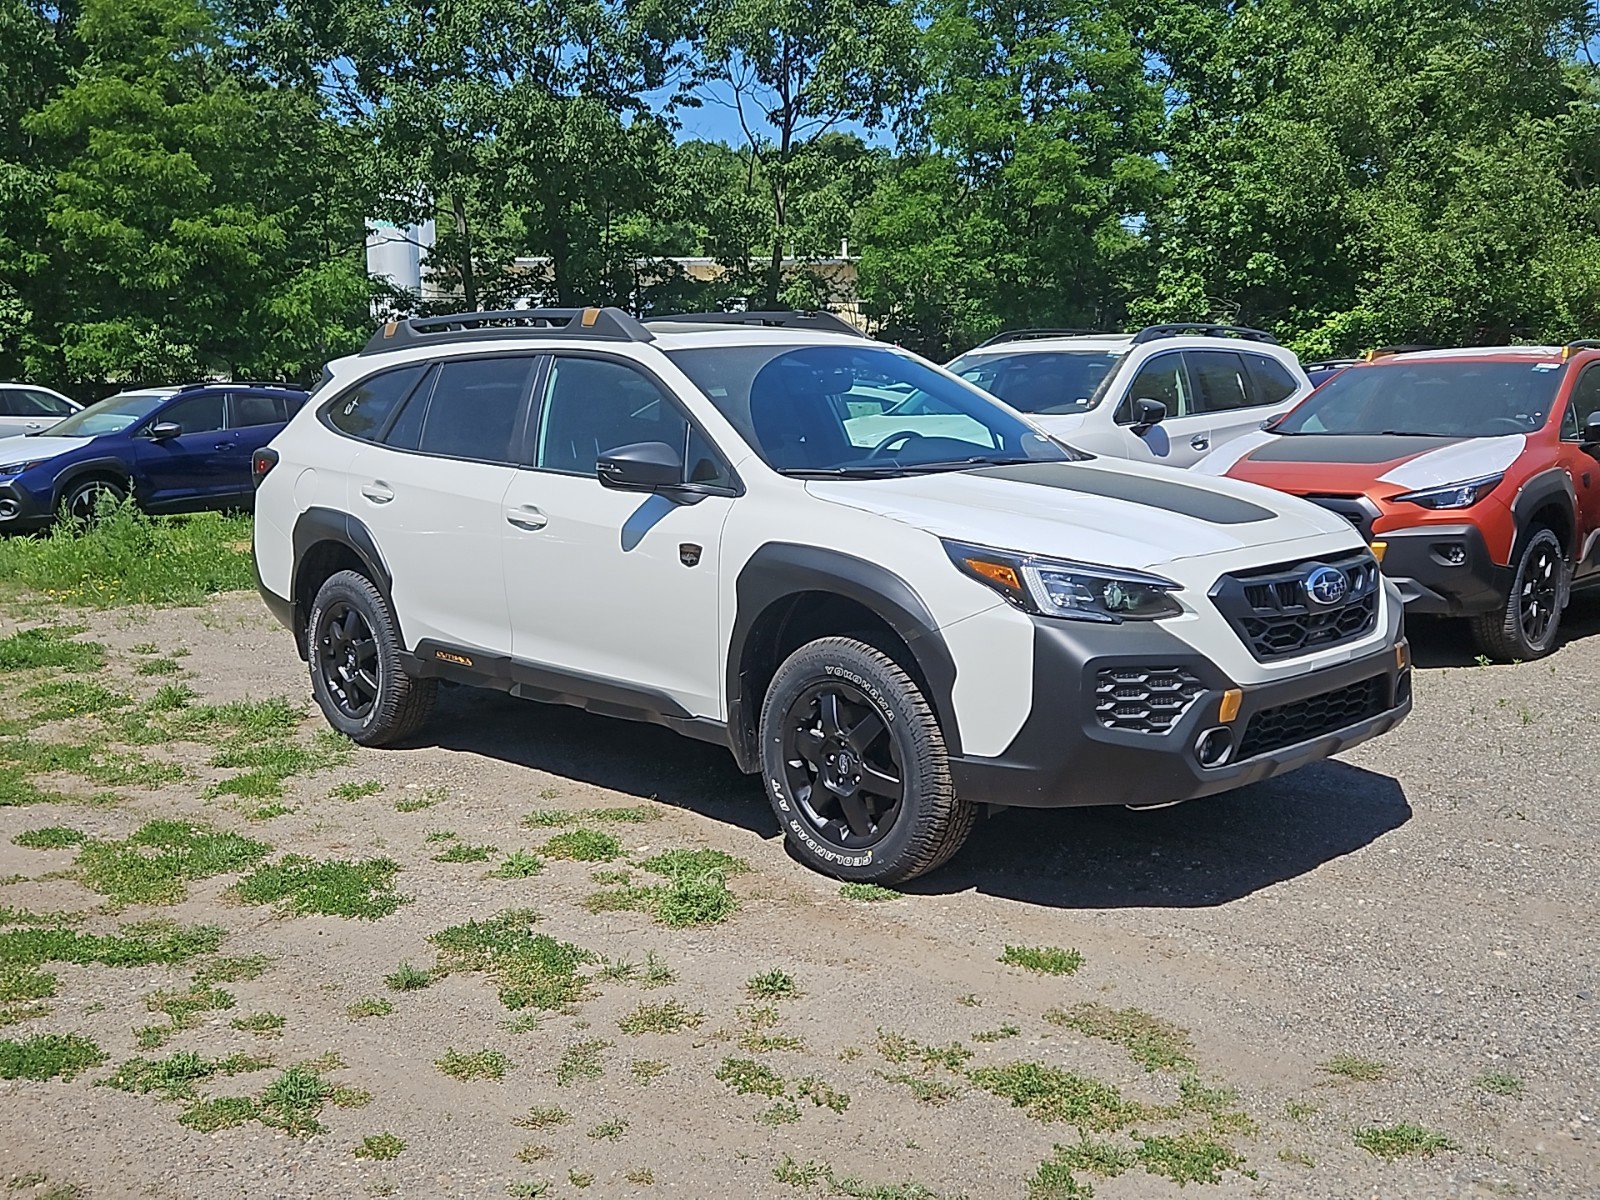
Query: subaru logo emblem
[(1327, 586)]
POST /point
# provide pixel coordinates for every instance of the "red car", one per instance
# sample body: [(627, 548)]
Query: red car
[(1475, 474)]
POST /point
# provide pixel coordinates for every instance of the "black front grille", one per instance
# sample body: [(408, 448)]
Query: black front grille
[(1143, 699), (1276, 616), (1358, 510), (1289, 724)]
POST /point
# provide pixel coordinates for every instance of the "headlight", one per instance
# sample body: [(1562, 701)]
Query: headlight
[(1454, 495), (1055, 587), (20, 467)]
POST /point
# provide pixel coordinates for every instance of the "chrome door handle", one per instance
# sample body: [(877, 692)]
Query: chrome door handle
[(526, 516), (377, 491), (1199, 441)]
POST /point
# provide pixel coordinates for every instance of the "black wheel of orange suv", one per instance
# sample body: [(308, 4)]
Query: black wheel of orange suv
[(1529, 624)]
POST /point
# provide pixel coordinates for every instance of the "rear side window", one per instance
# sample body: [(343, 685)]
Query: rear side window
[(475, 408), (254, 410), (362, 411), (23, 402), (1273, 382), (1220, 381)]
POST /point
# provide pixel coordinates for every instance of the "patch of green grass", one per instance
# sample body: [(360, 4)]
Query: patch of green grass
[(519, 864), (224, 1112), (817, 1090), (867, 893), (1300, 1110), (1499, 1083), (439, 835), (1299, 1158), (533, 970), (580, 1179), (1402, 1141), (293, 1100), (545, 818), (681, 864), (460, 852), (696, 891), (129, 557), (88, 758), (157, 666), (582, 1060), (64, 699), (51, 837), (262, 1024), (755, 1021), (1056, 1177), (542, 1118), (1051, 1094), (369, 1006), (583, 845), (239, 969), (175, 1077), (271, 810), (267, 763), (143, 944), (156, 863), (407, 978), (425, 798), (336, 889), (783, 1112), (19, 984), (1356, 1069), (815, 1175), (1044, 960), (358, 790), (1187, 1157), (646, 1071), (527, 1189), (182, 1009), (380, 1147), (609, 1131), (997, 1034), (16, 790), (748, 1077), (49, 1056), (144, 648), (772, 985), (1155, 1044), (898, 1048), (666, 1017), (47, 645)]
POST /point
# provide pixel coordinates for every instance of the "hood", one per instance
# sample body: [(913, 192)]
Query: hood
[(1059, 424), (27, 449), (1102, 511), (1337, 463)]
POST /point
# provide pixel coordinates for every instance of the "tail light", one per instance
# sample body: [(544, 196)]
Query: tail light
[(261, 463)]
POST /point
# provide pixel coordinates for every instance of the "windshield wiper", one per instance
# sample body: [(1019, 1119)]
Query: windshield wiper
[(1411, 433), (883, 471)]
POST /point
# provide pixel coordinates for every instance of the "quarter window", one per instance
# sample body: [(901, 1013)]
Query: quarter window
[(475, 408), (362, 410), (1221, 384), (1273, 383), (592, 406)]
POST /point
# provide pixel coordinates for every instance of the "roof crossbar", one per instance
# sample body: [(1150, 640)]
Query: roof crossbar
[(1028, 335), (820, 322), (603, 324), (1152, 333)]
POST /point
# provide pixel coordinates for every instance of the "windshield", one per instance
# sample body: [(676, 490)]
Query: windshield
[(111, 415), (1460, 398), (1049, 384), (857, 410)]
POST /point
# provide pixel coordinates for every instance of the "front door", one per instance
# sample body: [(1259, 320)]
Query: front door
[(1582, 462), (618, 587), (1184, 436), (193, 470)]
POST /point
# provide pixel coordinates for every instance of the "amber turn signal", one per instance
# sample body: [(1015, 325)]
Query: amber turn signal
[(1228, 710)]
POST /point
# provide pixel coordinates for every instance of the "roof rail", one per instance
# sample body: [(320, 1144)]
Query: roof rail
[(1151, 333), (1573, 347), (606, 324), (1408, 348), (1028, 335), (820, 322), (246, 383)]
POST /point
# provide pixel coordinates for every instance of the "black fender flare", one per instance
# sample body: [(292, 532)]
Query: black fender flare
[(1538, 490), (315, 526), (781, 570), (104, 465)]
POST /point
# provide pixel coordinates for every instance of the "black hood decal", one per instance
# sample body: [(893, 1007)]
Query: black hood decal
[(1164, 494), (1361, 448)]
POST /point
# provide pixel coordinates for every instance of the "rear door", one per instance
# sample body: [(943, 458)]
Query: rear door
[(30, 410), (193, 470), (1237, 390), (1184, 435), (254, 419)]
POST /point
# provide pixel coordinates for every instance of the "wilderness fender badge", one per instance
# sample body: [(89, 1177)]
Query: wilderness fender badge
[(688, 554)]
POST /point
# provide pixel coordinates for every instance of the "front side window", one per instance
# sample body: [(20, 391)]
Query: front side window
[(868, 410), (1161, 378), (475, 408), (1585, 403), (592, 406), (1048, 383), (24, 402), (197, 414), (111, 415), (1446, 398)]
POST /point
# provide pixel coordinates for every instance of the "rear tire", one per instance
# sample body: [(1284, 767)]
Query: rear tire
[(1528, 624), (354, 654), (856, 765)]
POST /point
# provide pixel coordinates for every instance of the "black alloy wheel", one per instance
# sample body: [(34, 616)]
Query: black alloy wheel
[(841, 765), (81, 506), (348, 652), (1539, 595)]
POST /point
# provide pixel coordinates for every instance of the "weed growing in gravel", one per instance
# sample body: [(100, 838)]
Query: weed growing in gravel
[(755, 1021), (534, 1152), (380, 1147), (294, 1099), (301, 885), (18, 984), (867, 893), (1044, 960), (1402, 1141), (582, 1060), (182, 1010), (357, 790), (49, 1056), (139, 945), (16, 789), (407, 978), (813, 1175), (772, 985), (676, 864), (898, 1048), (820, 1093), (996, 1035), (224, 1112), (240, 969), (748, 1077), (157, 666), (542, 1118), (519, 864), (1499, 1083), (155, 864), (580, 1179), (64, 699), (667, 1017), (425, 798), (269, 811), (48, 645), (646, 1071), (1186, 1158), (267, 764), (51, 837), (1300, 1110), (696, 892), (175, 1077), (1358, 1070), (783, 1112), (544, 818), (1155, 1044), (533, 970), (1299, 1158), (609, 1131), (1051, 1094), (1056, 1177), (527, 1189), (925, 1089), (89, 759), (584, 845), (460, 852), (643, 1175), (369, 1006), (262, 1024)]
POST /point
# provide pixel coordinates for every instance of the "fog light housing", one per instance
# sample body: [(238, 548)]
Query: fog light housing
[(1213, 747), (1451, 554)]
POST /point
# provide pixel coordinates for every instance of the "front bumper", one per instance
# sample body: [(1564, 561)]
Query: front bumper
[(20, 509), (1419, 561), (1066, 755)]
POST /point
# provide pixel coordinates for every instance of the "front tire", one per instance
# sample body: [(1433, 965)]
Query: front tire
[(80, 503), (1527, 626), (354, 655), (856, 765)]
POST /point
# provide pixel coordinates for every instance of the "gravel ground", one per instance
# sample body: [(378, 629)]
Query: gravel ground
[(1426, 902)]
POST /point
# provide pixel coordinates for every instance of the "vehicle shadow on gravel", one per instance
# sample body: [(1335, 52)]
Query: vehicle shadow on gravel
[(1438, 642)]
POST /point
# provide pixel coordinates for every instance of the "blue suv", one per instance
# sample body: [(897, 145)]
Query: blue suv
[(181, 449)]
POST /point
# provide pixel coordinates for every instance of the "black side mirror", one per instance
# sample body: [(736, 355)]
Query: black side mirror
[(163, 430), (641, 467), (1147, 414), (1591, 431)]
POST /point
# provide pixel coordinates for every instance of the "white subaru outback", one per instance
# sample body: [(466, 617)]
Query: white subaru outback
[(708, 522), (1166, 394)]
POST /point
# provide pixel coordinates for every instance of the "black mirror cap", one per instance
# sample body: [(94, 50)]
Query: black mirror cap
[(640, 467), (162, 430), (1147, 413), (1591, 430)]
